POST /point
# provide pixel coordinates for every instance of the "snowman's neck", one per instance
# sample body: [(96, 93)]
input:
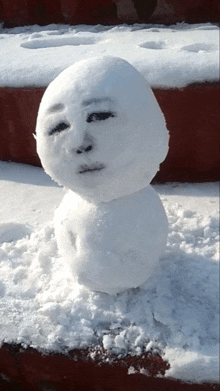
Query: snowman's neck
[(79, 198)]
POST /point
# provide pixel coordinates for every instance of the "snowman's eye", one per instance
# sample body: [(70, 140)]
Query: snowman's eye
[(101, 116), (59, 128)]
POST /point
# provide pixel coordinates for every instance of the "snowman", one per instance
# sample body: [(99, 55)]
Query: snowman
[(101, 134)]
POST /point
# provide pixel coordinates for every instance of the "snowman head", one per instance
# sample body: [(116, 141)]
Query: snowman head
[(100, 131)]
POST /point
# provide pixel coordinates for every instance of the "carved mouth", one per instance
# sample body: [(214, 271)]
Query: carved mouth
[(84, 168)]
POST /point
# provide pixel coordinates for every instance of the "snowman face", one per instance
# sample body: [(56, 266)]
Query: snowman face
[(100, 131)]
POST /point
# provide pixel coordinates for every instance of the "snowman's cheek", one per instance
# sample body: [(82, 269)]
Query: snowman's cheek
[(58, 145), (50, 152)]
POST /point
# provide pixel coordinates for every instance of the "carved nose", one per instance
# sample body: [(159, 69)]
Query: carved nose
[(84, 149)]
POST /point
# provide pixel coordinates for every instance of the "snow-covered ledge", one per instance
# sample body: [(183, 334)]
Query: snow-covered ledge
[(168, 57), (180, 62)]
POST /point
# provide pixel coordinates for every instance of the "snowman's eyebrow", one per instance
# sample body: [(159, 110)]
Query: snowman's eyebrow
[(59, 128), (96, 100), (56, 107)]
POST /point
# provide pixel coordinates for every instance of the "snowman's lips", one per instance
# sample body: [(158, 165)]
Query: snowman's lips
[(85, 168)]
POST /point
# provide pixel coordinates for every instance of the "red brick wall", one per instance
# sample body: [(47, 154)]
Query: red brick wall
[(42, 12), (189, 11), (27, 369), (192, 116)]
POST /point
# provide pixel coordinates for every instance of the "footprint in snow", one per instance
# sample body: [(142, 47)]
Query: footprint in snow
[(35, 42), (198, 47), (155, 45), (35, 35), (10, 232), (154, 30), (56, 32), (206, 27)]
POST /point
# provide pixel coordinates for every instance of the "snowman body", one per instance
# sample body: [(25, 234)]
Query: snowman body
[(112, 246), (101, 134)]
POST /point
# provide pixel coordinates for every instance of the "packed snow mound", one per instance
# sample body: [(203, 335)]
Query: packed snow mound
[(175, 312), (173, 56), (100, 131), (104, 251)]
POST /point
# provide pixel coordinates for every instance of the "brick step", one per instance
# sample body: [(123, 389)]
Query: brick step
[(28, 369)]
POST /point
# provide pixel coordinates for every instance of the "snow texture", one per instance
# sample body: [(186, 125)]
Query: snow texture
[(173, 56), (175, 311)]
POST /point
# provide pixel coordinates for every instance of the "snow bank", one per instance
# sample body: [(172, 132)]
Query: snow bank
[(166, 56), (175, 312)]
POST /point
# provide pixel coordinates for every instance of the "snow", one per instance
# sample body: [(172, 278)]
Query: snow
[(111, 246), (92, 138), (173, 56), (175, 311), (123, 153)]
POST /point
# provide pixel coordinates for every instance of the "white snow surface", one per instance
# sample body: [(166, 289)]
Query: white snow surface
[(173, 56), (175, 311)]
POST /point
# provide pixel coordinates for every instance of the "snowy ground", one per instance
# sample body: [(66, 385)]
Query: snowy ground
[(167, 56), (176, 311)]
